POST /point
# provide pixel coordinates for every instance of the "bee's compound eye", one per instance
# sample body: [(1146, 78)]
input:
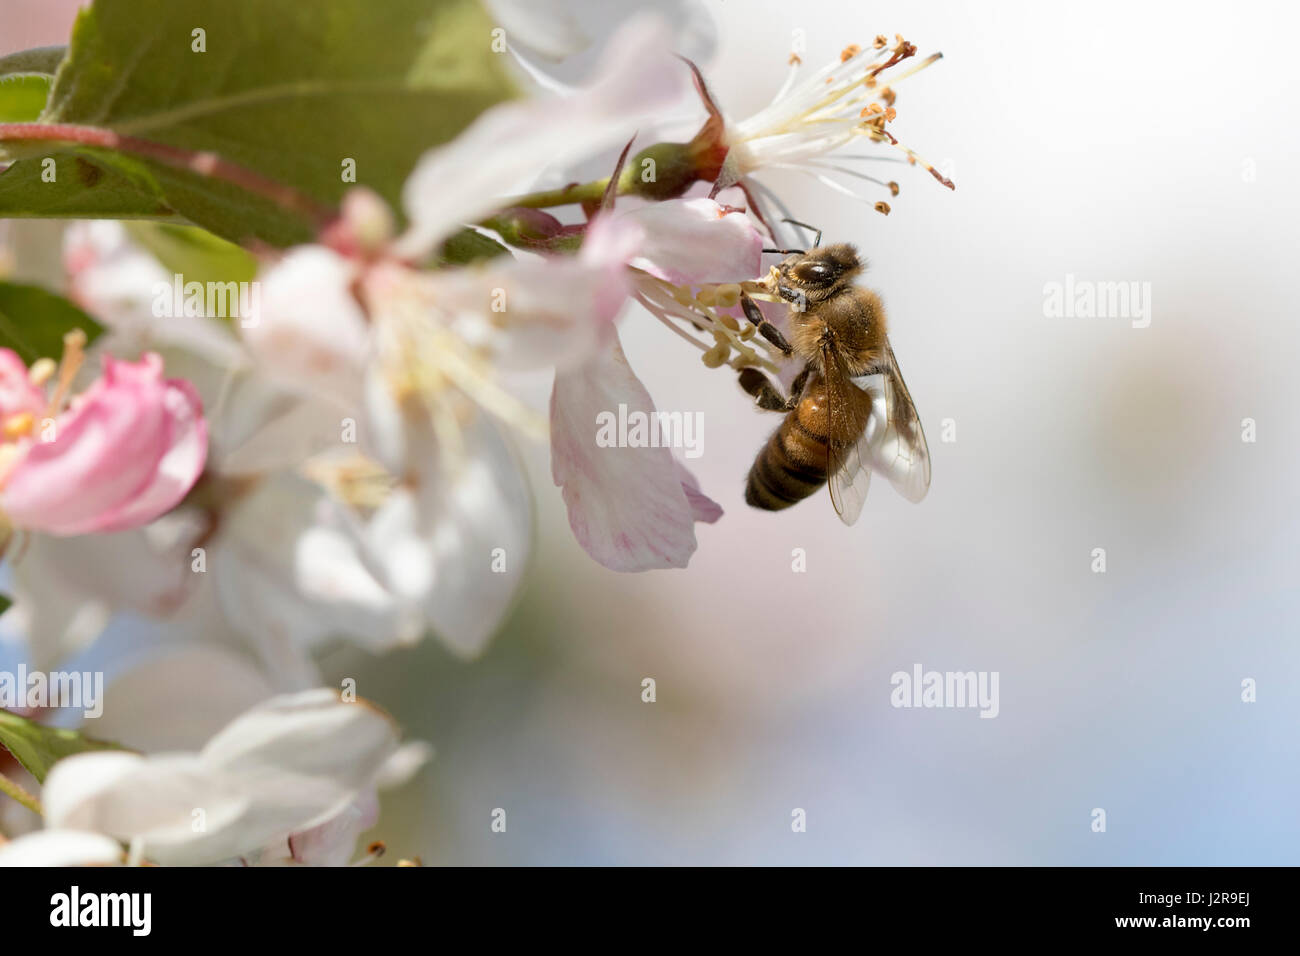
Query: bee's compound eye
[(814, 272)]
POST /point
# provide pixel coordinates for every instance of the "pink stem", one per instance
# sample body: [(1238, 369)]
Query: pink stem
[(203, 163)]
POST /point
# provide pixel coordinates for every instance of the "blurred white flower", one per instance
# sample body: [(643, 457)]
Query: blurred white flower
[(114, 280), (543, 32), (283, 767), (61, 848), (291, 514)]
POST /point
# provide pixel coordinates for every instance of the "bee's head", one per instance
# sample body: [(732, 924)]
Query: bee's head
[(819, 273)]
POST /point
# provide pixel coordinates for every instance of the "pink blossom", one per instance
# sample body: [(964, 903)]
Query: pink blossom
[(124, 452), (632, 509), (635, 508), (694, 241), (17, 393)]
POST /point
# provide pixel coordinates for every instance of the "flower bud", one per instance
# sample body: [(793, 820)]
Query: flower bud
[(667, 170), (126, 451)]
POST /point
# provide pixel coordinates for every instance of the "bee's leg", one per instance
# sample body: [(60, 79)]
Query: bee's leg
[(765, 328), (767, 395)]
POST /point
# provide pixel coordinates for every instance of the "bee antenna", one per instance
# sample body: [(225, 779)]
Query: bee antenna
[(795, 222), (786, 252)]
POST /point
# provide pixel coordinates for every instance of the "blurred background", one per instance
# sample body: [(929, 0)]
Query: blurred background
[(1111, 141)]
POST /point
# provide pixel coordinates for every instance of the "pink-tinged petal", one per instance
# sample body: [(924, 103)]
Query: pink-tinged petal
[(693, 241), (182, 462), (331, 843), (612, 240), (127, 450), (17, 393), (532, 313), (629, 508), (703, 507), (501, 150)]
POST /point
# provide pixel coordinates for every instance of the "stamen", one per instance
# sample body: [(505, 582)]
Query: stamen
[(41, 371), (373, 852), (890, 185), (491, 396), (356, 480), (914, 157), (928, 61), (74, 344)]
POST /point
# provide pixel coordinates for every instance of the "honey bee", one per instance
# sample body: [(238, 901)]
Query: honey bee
[(849, 413)]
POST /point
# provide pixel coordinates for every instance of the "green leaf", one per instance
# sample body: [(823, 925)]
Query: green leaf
[(40, 60), (80, 190), (469, 245), (290, 90), (38, 747), (195, 253), (22, 97), (6, 602), (34, 321)]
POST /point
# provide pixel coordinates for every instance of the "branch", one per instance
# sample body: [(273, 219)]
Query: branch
[(9, 788), (205, 164)]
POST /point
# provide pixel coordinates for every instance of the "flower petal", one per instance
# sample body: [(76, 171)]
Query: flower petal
[(703, 507), (61, 848), (129, 449), (458, 543), (283, 767), (291, 564), (532, 313), (17, 393), (628, 507), (500, 151), (330, 843), (178, 698), (692, 241), (119, 283), (311, 334)]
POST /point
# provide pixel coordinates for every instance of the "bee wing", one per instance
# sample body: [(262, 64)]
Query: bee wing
[(892, 441), (894, 435), (849, 462)]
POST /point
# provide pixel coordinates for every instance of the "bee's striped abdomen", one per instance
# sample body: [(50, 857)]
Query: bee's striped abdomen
[(793, 463)]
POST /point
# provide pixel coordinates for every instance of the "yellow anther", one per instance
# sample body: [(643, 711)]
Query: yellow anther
[(716, 356), (728, 296), (18, 425)]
